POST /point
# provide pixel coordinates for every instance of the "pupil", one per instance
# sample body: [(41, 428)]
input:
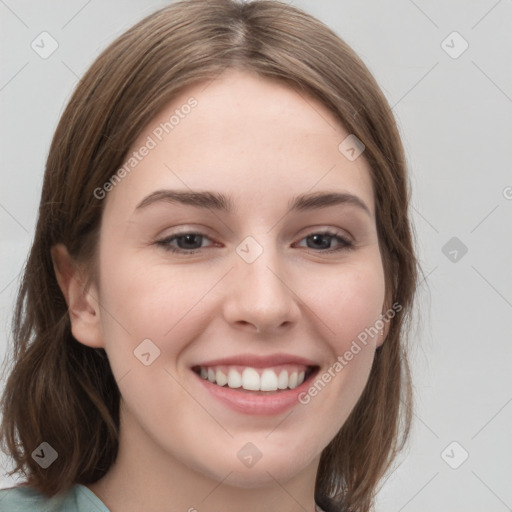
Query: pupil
[(190, 239), (325, 242)]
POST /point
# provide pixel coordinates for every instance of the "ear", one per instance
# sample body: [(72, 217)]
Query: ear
[(83, 306)]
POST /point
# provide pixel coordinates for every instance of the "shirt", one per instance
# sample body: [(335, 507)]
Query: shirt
[(27, 499), (78, 499)]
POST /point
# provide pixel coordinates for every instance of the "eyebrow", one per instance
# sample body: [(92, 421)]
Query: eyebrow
[(220, 202)]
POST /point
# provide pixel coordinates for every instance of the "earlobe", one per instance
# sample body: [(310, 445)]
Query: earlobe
[(81, 299)]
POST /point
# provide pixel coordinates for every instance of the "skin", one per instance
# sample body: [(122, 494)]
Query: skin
[(261, 143)]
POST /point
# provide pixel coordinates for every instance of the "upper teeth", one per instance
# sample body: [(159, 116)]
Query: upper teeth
[(251, 379)]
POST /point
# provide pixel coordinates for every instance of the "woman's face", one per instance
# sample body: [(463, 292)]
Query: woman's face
[(256, 284)]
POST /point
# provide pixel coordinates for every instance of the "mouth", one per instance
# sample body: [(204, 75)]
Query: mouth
[(253, 384), (257, 380)]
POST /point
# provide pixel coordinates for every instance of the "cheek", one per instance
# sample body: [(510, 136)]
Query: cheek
[(150, 314), (143, 301), (351, 301), (349, 305)]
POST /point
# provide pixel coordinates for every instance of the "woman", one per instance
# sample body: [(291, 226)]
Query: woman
[(213, 312)]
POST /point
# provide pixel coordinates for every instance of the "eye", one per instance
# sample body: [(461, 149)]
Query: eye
[(191, 242), (188, 243), (322, 241)]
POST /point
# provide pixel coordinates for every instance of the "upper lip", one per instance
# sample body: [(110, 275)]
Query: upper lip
[(258, 361)]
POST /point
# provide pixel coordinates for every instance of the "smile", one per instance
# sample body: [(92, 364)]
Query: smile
[(247, 378), (269, 387)]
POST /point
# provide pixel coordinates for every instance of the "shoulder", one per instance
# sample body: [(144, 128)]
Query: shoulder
[(23, 498)]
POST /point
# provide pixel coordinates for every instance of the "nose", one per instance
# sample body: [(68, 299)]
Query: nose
[(260, 296)]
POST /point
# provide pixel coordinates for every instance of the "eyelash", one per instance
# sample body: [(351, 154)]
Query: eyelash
[(165, 243)]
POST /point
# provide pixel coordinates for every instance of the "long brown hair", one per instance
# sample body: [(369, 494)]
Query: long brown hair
[(63, 392)]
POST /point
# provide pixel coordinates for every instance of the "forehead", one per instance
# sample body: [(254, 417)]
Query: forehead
[(247, 136)]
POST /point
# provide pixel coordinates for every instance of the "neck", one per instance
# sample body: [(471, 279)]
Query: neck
[(145, 477)]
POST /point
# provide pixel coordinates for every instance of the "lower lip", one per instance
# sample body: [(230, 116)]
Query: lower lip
[(249, 403)]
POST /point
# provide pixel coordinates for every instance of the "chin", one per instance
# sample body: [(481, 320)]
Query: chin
[(264, 472)]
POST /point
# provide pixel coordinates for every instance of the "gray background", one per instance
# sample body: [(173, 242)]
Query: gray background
[(455, 118)]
